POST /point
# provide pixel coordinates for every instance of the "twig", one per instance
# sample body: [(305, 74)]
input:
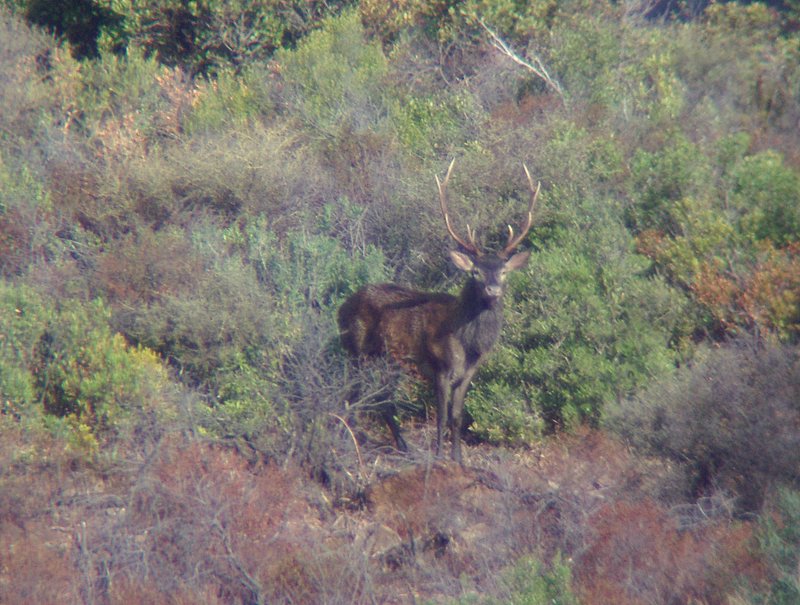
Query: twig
[(355, 442), (537, 67)]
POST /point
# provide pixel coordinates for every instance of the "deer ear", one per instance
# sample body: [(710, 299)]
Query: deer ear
[(462, 261), (519, 260)]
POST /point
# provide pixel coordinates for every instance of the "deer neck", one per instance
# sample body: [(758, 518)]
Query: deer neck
[(478, 320)]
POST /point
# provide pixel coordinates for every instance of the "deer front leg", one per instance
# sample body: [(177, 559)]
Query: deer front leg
[(457, 414)]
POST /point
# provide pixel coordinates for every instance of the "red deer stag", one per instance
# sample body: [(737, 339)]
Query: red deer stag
[(443, 337)]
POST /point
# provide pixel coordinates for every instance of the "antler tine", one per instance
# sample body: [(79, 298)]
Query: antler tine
[(471, 237), (469, 246), (513, 242)]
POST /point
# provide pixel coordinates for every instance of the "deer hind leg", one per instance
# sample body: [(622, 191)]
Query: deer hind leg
[(380, 400), (444, 396), (389, 413)]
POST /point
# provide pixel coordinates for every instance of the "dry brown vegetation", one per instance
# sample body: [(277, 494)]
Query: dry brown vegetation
[(197, 523)]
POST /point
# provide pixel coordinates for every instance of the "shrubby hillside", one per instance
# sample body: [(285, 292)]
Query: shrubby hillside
[(188, 192)]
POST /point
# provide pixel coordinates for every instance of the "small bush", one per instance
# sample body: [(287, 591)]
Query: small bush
[(766, 192), (91, 377), (64, 367), (229, 101), (529, 582), (23, 319), (659, 179)]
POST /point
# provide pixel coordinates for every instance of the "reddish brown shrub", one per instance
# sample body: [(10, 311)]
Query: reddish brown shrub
[(210, 523), (636, 554), (143, 268), (35, 566), (35, 549), (763, 298)]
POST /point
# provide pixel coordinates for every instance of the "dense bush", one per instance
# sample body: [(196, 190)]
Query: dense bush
[(201, 37), (730, 420), (63, 367), (587, 327)]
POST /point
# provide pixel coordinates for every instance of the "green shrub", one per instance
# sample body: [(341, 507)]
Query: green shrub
[(229, 101), (247, 317), (203, 38), (780, 541), (529, 582), (389, 21), (428, 125), (91, 376), (63, 367), (23, 319), (306, 268), (335, 77), (586, 52), (659, 179), (766, 193), (587, 325)]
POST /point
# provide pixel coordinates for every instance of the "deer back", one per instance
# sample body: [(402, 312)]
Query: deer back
[(409, 325)]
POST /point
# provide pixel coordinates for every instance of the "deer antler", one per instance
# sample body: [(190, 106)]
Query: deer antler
[(469, 246), (513, 242)]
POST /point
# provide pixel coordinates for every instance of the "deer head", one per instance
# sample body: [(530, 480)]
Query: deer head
[(488, 270)]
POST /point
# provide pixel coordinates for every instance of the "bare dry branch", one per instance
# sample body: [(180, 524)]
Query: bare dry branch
[(536, 66)]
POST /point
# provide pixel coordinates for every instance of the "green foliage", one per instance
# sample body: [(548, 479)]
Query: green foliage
[(23, 319), (766, 191), (277, 289), (585, 54), (207, 37), (64, 367), (588, 325), (659, 179), (529, 582), (428, 125), (335, 77), (305, 269), (390, 20), (92, 377), (519, 19), (229, 101), (780, 540)]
